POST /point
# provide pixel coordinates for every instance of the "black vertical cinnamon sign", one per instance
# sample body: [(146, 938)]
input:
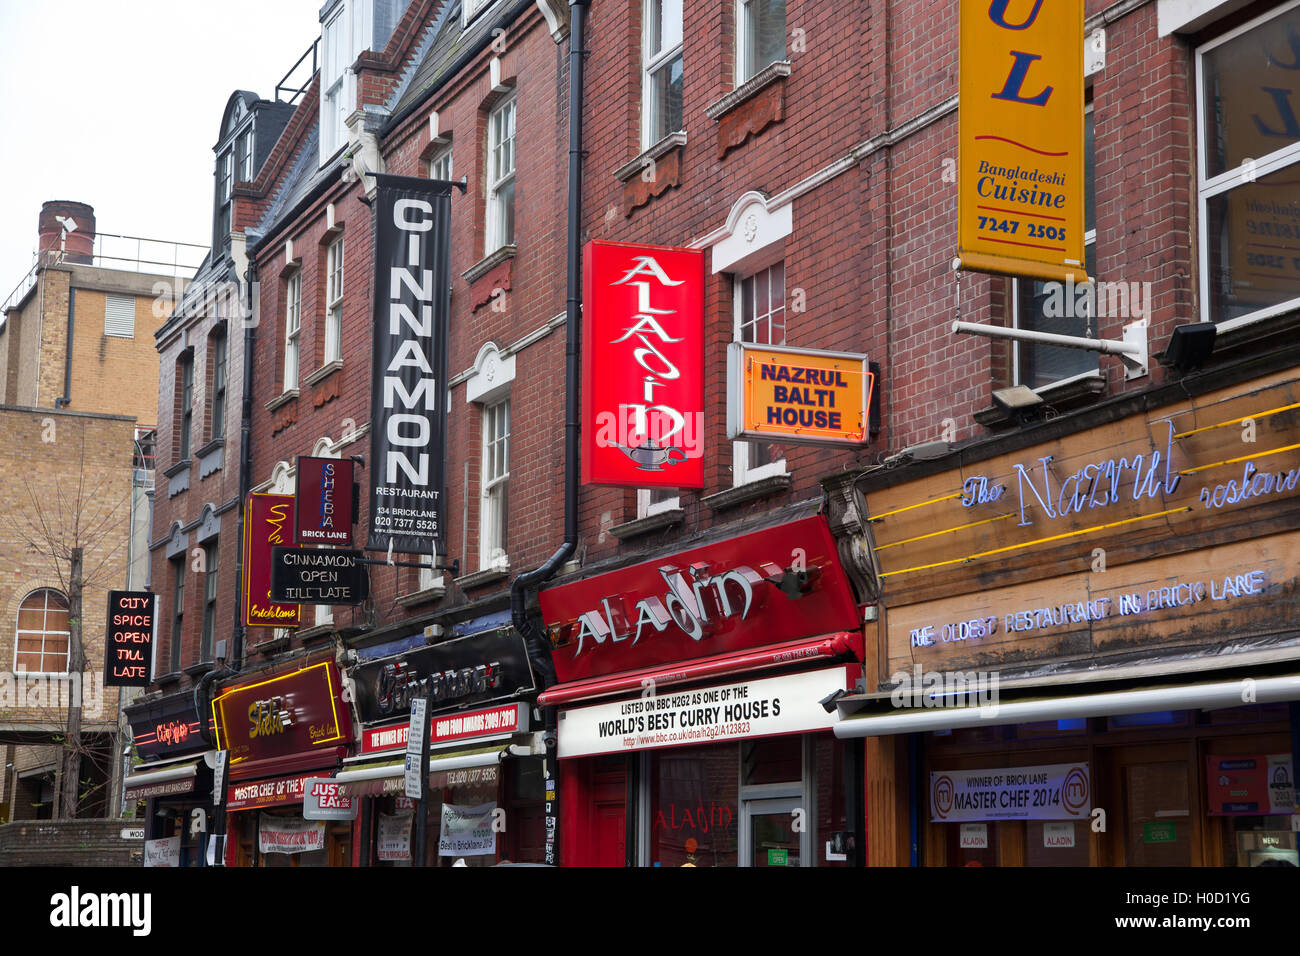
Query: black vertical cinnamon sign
[(128, 639), (408, 411)]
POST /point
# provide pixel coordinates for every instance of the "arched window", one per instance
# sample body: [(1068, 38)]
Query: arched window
[(42, 633)]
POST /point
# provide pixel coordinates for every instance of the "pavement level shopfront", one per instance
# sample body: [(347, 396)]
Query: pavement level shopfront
[(283, 731), (1087, 645), (692, 729), (174, 777), (485, 772)]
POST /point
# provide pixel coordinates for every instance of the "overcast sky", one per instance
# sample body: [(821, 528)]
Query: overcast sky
[(118, 104)]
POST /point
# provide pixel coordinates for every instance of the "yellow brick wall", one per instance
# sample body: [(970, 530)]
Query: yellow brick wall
[(111, 374), (42, 454)]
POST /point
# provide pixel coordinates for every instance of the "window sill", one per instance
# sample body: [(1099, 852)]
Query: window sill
[(324, 372), (489, 262), (649, 524), (210, 447), (480, 578), (314, 634), (211, 457), (759, 81), (657, 151), (281, 400), (168, 679), (750, 491), (199, 668), (176, 469), (270, 646), (426, 596), (1246, 337), (1077, 390)]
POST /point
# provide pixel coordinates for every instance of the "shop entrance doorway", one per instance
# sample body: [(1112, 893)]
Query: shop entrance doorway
[(771, 833), (610, 806), (1154, 790)]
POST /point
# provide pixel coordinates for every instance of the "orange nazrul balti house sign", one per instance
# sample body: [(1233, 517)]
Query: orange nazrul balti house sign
[(268, 523), (800, 396)]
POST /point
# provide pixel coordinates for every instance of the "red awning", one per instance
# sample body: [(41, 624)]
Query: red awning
[(325, 759), (839, 644)]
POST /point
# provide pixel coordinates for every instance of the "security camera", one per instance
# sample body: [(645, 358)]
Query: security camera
[(828, 702)]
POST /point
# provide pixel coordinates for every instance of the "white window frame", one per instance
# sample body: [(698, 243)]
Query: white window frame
[(227, 173), (470, 9), (244, 149), (652, 62), (741, 472), (646, 507), (220, 383), (1089, 239), (334, 261), (43, 632), (344, 34), (211, 594), (430, 577), (226, 170), (743, 29), (494, 506), (498, 180), (1214, 186), (185, 366), (440, 164), (292, 330)]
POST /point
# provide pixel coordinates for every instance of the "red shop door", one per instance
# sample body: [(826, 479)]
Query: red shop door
[(611, 835), (593, 800)]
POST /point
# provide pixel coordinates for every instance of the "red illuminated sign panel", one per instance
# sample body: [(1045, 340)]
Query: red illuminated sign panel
[(323, 504), (768, 587), (268, 522), (290, 714), (643, 366)]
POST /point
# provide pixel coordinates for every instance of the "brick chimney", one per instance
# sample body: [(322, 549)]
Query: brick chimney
[(78, 219)]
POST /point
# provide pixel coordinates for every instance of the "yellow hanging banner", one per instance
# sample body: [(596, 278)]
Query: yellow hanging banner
[(1020, 176)]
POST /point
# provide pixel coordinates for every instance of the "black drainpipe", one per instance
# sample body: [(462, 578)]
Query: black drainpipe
[(66, 400), (539, 650), (235, 654), (245, 456)]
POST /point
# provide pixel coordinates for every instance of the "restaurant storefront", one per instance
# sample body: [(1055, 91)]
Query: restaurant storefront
[(282, 732), (174, 777), (1089, 641), (694, 728), (485, 767)]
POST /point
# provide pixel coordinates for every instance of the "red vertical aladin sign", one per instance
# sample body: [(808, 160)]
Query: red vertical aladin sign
[(268, 522), (643, 366)]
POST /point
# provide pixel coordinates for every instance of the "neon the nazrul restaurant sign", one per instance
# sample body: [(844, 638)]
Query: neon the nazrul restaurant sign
[(1172, 475), (772, 586)]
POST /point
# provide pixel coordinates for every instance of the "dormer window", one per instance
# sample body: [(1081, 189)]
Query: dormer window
[(225, 183), (334, 69), (236, 163), (470, 9), (348, 28), (245, 150)]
